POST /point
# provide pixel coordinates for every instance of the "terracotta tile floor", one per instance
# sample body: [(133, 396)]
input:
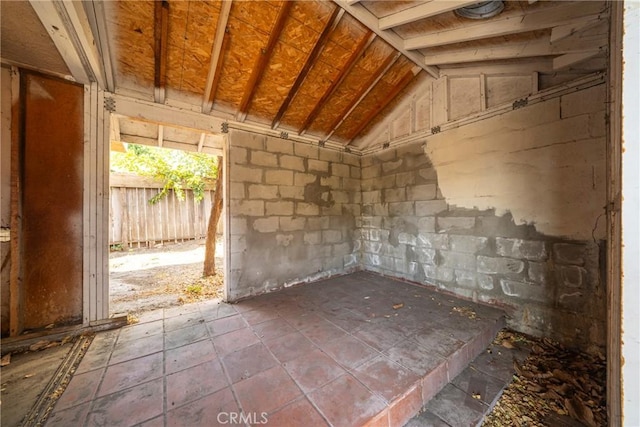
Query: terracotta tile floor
[(333, 352)]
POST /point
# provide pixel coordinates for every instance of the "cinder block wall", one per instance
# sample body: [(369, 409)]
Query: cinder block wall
[(507, 211), (293, 210)]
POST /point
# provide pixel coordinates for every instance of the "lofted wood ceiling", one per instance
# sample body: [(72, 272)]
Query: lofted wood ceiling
[(323, 69)]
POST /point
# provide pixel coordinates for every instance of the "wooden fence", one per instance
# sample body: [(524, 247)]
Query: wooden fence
[(136, 222)]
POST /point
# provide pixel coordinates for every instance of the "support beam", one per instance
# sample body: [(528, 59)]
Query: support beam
[(160, 135), (161, 38), (408, 77), (421, 11), (371, 21), (68, 26), (531, 21), (566, 61), (201, 142), (98, 22), (534, 48), (219, 44), (263, 59), (364, 91), (311, 59), (561, 32), (351, 62)]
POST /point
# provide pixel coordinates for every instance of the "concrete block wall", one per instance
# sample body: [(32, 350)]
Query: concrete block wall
[(293, 211), (413, 228)]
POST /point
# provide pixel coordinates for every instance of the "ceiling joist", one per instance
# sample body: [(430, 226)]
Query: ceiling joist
[(331, 24), (561, 32), (424, 10), (263, 59), (538, 20), (535, 48), (368, 19), (68, 26), (98, 22), (570, 59), (161, 39), (220, 41), (362, 46), (364, 91)]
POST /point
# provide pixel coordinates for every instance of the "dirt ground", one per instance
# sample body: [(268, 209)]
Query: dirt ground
[(143, 279)]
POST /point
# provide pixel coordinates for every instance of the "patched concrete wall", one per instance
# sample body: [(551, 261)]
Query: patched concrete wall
[(293, 211), (542, 262)]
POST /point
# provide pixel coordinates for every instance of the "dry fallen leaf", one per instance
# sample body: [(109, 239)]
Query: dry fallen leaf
[(29, 375), (6, 359), (507, 344), (398, 305), (39, 345)]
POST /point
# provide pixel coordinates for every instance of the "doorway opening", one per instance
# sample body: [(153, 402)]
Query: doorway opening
[(163, 191)]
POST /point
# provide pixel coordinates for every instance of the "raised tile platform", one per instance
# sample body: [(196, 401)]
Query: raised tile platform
[(349, 351)]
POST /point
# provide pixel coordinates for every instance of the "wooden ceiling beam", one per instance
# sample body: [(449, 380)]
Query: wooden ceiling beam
[(263, 59), (370, 21), (421, 11), (561, 32), (220, 41), (534, 48), (331, 24), (98, 22), (526, 21), (160, 135), (359, 50), (408, 77), (363, 92), (68, 25), (161, 39), (566, 61), (201, 142)]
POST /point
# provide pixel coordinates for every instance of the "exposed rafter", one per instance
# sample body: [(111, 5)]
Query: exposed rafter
[(406, 79), (98, 22), (538, 20), (566, 61), (262, 61), (331, 24), (68, 26), (364, 91), (161, 39), (540, 47), (219, 44), (201, 142), (362, 46), (421, 11), (561, 32), (367, 18)]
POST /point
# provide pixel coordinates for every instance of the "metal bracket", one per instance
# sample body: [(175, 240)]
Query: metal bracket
[(225, 127), (520, 103), (435, 129), (110, 104), (385, 145), (347, 149), (284, 135), (321, 143)]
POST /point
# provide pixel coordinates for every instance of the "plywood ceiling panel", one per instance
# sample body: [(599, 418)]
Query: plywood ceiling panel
[(192, 26), (132, 26), (24, 40), (364, 69), (378, 96), (288, 58)]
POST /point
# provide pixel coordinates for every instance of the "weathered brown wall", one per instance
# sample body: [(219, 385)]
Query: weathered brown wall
[(51, 236), (5, 192)]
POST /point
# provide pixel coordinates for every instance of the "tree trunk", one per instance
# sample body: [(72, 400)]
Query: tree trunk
[(216, 210)]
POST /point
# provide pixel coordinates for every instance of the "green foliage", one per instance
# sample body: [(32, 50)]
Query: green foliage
[(178, 170)]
